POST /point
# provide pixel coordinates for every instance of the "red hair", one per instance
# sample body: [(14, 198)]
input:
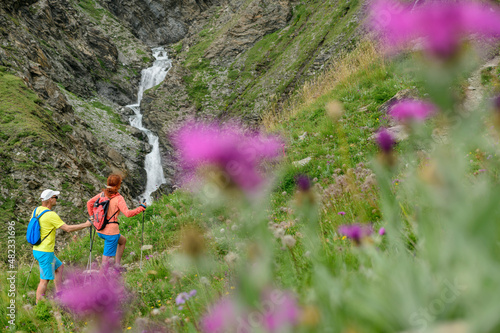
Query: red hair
[(114, 183)]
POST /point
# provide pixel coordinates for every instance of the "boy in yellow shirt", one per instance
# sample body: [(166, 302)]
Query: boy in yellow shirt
[(51, 267)]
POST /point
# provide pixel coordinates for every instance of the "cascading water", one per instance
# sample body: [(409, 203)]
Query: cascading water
[(151, 77)]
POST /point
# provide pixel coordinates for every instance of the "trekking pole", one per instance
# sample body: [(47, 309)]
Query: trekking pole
[(29, 274), (142, 235)]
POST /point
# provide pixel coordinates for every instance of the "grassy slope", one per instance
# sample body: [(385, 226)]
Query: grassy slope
[(273, 66), (25, 128)]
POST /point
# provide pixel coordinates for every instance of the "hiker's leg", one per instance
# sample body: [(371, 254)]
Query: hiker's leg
[(47, 262), (105, 262), (110, 246), (58, 276), (121, 247), (42, 289)]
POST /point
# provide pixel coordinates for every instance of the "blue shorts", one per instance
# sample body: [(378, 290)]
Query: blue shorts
[(48, 263), (110, 244)]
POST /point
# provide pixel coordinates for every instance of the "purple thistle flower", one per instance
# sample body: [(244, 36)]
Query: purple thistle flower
[(412, 110), (100, 296), (282, 317), (303, 182), (441, 25), (356, 231), (385, 140), (192, 293), (238, 153), (381, 231), (220, 317), (341, 213)]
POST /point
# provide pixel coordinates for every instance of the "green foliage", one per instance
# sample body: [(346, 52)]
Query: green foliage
[(90, 7), (67, 128)]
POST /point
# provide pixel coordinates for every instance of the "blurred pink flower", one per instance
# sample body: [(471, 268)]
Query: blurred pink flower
[(220, 317), (412, 110), (279, 313), (282, 316), (356, 231), (385, 140), (381, 231), (443, 25), (236, 151), (100, 296)]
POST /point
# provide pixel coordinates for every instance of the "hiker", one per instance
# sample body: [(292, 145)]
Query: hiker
[(51, 267), (114, 242)]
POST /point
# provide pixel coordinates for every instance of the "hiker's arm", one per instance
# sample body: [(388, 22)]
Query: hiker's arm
[(124, 209), (75, 227)]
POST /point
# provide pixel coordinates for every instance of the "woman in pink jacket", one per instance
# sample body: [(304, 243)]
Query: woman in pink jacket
[(114, 243)]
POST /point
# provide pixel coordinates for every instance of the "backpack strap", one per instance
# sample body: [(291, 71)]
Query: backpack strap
[(113, 214), (38, 217), (47, 235)]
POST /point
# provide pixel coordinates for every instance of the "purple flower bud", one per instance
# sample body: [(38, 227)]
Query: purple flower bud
[(303, 182), (341, 213), (356, 231), (381, 231), (385, 140)]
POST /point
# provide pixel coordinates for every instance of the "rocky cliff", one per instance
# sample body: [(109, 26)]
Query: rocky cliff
[(62, 78)]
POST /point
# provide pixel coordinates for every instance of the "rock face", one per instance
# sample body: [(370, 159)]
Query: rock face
[(159, 22), (66, 135), (259, 19)]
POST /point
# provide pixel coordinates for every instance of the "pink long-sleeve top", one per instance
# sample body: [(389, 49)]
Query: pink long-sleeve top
[(116, 204)]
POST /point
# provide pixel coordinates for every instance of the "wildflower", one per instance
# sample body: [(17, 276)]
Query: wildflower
[(100, 296), (289, 241), (280, 232), (441, 25), (231, 258), (193, 242), (411, 110), (381, 231), (183, 297), (303, 182), (284, 316), (334, 110), (204, 280), (356, 231), (234, 151), (341, 213), (385, 140), (220, 317)]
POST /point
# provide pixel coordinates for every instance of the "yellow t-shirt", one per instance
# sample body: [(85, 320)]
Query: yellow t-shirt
[(48, 221)]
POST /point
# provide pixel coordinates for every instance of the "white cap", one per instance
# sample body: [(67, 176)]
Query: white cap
[(47, 194)]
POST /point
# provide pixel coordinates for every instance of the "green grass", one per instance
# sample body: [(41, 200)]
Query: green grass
[(90, 7)]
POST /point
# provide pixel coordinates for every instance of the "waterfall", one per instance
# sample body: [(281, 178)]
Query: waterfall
[(151, 77)]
